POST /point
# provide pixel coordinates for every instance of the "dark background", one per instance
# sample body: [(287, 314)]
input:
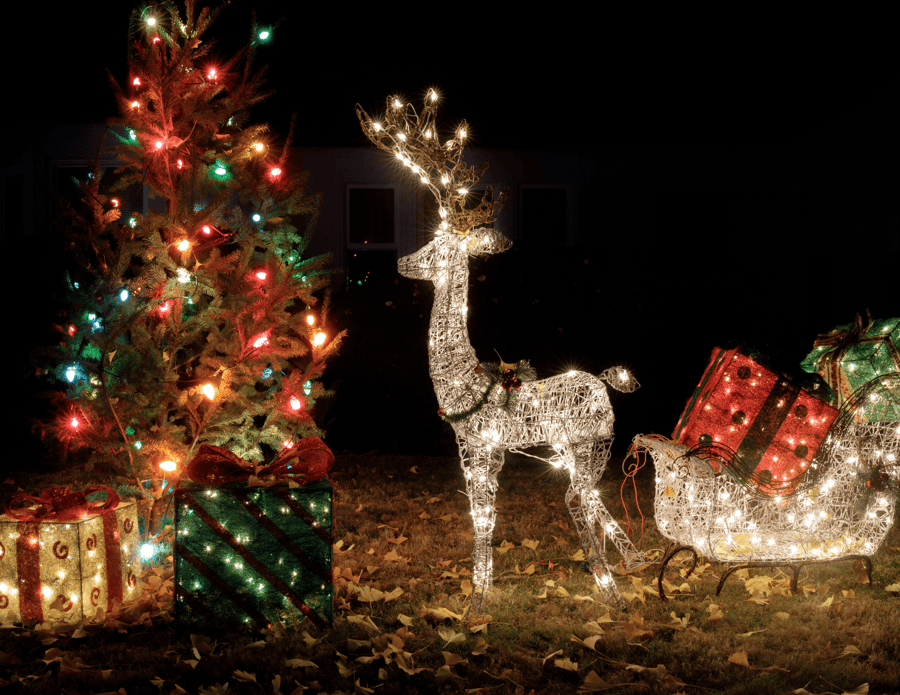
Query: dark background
[(555, 79)]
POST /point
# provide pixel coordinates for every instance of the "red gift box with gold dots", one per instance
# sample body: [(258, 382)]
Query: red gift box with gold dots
[(61, 570), (770, 423)]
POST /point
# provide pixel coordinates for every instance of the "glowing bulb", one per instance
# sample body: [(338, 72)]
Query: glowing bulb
[(151, 21), (264, 35), (123, 295), (262, 340), (184, 245), (261, 275), (220, 170), (74, 423), (164, 308), (136, 82), (258, 146), (206, 229), (211, 74), (146, 551), (310, 319), (295, 403), (256, 217), (70, 373), (183, 275), (319, 338), (209, 391), (159, 144), (168, 466)]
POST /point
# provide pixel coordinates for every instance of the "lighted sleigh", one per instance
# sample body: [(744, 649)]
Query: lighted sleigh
[(839, 507)]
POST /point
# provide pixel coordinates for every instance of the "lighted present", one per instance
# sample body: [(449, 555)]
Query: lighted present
[(255, 554), (62, 558), (773, 426), (850, 356)]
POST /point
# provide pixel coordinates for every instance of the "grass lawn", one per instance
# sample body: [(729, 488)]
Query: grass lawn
[(402, 581)]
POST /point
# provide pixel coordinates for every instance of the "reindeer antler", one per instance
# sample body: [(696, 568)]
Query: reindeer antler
[(413, 139)]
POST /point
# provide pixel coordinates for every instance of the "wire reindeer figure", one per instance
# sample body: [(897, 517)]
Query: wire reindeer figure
[(495, 410)]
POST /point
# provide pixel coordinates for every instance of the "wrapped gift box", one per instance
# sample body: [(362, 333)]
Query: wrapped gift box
[(254, 554), (63, 571), (852, 355), (771, 424)]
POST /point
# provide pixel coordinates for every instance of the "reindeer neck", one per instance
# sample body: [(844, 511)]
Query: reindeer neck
[(451, 359)]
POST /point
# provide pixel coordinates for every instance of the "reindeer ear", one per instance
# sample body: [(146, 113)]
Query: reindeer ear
[(484, 241)]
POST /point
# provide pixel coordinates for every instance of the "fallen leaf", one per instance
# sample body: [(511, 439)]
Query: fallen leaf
[(848, 593), (566, 664), (577, 556), (739, 658), (851, 650), (588, 642), (859, 569), (244, 676), (413, 470), (398, 540), (449, 636), (594, 683), (893, 588), (751, 633), (505, 547), (858, 690), (531, 545), (480, 648), (363, 620), (451, 659), (370, 595), (394, 556), (393, 595), (437, 615), (715, 613), (781, 615), (405, 619), (424, 516), (299, 663)]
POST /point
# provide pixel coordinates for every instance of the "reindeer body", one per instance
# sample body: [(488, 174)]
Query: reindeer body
[(570, 412)]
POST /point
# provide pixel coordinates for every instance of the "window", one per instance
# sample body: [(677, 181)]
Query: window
[(371, 238)]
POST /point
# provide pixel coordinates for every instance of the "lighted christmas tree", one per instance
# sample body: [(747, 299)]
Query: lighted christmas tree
[(202, 324)]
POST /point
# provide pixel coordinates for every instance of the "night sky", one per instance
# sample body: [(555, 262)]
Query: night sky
[(548, 80), (543, 80)]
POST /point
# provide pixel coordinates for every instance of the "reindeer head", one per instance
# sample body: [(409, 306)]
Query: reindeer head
[(413, 140), (446, 251)]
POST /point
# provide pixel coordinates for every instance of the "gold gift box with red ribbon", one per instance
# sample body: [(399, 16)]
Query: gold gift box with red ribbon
[(63, 557)]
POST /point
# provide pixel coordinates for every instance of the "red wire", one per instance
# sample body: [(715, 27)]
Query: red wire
[(641, 461)]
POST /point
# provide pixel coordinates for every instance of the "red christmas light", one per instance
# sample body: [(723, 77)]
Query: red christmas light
[(261, 275), (295, 403), (275, 172)]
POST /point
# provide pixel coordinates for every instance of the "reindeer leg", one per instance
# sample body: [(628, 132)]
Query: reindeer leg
[(588, 462), (480, 467)]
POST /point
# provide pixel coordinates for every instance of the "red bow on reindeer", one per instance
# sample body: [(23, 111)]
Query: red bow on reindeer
[(306, 462), (59, 503)]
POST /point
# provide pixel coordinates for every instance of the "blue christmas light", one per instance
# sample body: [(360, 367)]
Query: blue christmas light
[(267, 372), (307, 388), (256, 217), (123, 295)]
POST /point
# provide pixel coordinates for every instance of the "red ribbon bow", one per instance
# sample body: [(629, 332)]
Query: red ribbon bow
[(61, 504), (310, 459)]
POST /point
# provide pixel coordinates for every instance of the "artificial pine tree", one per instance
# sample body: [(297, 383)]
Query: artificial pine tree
[(200, 324)]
